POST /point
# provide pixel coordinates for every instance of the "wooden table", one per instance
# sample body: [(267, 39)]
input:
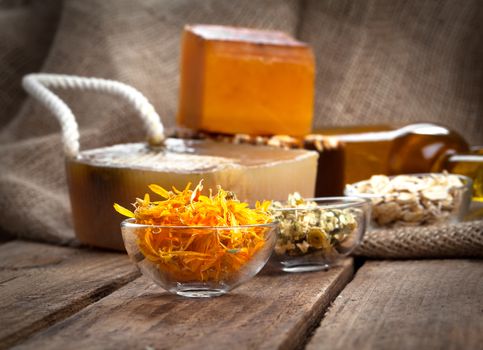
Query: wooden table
[(65, 298)]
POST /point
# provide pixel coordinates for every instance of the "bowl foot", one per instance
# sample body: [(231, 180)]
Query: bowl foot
[(198, 292), (305, 267)]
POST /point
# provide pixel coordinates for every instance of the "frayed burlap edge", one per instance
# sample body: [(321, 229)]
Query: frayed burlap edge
[(441, 241)]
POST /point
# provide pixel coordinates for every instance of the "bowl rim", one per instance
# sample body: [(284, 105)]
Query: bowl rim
[(128, 223), (350, 202), (467, 184)]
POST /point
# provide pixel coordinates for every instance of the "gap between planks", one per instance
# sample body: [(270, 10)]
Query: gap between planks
[(42, 284), (358, 262), (273, 310), (4, 237)]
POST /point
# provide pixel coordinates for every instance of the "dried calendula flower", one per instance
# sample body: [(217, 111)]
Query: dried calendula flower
[(411, 200), (307, 228), (210, 255)]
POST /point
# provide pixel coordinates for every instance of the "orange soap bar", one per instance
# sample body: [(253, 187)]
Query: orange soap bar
[(236, 80)]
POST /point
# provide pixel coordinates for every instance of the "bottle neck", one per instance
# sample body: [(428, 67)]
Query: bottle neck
[(384, 133), (451, 160)]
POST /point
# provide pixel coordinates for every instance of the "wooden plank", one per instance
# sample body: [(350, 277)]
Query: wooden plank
[(274, 310), (41, 284), (426, 304)]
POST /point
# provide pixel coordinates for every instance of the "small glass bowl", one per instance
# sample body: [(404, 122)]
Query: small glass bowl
[(179, 259), (400, 209), (315, 238)]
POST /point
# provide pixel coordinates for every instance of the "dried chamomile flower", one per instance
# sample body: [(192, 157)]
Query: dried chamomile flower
[(306, 228)]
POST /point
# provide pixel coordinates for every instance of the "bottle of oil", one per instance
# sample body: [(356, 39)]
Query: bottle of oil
[(383, 149), (469, 164)]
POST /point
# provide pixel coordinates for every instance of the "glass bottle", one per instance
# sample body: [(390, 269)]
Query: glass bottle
[(383, 149), (469, 164)]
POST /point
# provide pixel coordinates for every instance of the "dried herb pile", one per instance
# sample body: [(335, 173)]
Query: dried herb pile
[(190, 253)]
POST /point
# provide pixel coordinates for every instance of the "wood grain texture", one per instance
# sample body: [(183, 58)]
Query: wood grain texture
[(426, 304), (273, 310), (41, 284)]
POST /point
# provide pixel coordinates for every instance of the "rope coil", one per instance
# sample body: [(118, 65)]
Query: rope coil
[(37, 85)]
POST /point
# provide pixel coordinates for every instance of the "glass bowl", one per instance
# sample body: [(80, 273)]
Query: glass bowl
[(199, 261), (316, 236), (412, 203)]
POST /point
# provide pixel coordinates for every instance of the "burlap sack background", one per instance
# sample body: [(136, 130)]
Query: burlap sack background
[(377, 61)]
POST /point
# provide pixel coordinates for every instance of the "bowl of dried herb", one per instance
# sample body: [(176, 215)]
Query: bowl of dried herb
[(197, 245), (414, 199), (317, 233)]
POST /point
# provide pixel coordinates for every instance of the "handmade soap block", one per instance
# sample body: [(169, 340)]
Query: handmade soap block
[(330, 165), (100, 177), (236, 80)]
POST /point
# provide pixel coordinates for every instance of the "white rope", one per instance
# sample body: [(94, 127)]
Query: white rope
[(38, 86)]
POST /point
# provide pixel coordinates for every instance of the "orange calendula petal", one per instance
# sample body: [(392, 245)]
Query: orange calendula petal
[(123, 211), (159, 190), (197, 191)]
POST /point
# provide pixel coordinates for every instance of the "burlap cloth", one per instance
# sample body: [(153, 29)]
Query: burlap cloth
[(442, 241), (378, 61)]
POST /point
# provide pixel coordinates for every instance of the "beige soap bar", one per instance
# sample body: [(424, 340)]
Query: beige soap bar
[(100, 177)]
